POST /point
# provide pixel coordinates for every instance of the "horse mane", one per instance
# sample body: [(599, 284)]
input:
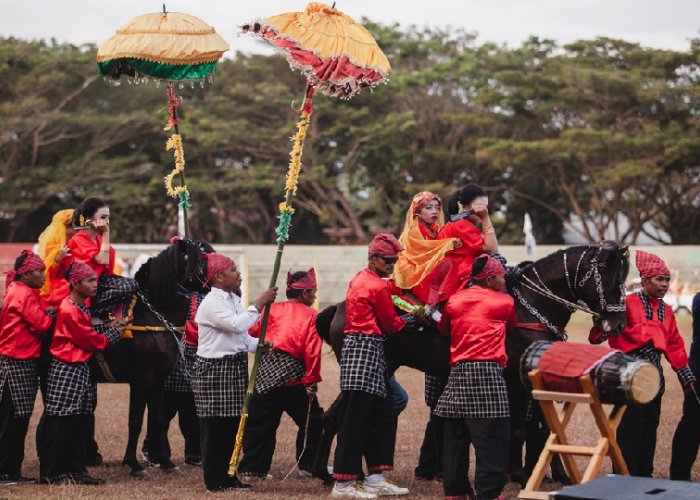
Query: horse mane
[(323, 323), (168, 268)]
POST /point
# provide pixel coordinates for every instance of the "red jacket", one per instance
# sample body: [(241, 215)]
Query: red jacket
[(477, 319), (368, 306), (640, 331), (22, 323), (84, 249), (472, 244), (292, 329), (74, 340)]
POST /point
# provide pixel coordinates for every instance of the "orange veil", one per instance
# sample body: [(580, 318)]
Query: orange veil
[(421, 255), (51, 241)]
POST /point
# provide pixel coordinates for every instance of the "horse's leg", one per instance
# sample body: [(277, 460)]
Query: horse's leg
[(537, 434), (330, 429), (158, 449), (138, 397)]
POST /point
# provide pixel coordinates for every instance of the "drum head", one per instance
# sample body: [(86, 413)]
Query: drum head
[(645, 383)]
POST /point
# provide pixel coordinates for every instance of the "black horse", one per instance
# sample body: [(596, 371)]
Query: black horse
[(145, 361), (546, 293)]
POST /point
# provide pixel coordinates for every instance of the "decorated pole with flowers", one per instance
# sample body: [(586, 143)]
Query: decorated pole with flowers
[(338, 57)]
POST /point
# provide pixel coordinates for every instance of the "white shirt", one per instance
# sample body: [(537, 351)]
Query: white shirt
[(224, 324)]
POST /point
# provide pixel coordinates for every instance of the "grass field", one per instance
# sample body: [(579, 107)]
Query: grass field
[(111, 433)]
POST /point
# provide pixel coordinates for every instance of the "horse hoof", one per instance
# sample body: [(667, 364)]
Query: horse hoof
[(141, 475), (174, 471)]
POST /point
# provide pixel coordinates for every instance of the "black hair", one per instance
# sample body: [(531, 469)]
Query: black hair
[(67, 273), (479, 265), (18, 263), (88, 208), (465, 196), (297, 276)]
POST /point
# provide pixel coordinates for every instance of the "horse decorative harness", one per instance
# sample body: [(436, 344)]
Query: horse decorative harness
[(542, 289)]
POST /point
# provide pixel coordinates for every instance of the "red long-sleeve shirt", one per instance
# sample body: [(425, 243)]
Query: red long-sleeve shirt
[(292, 329), (472, 244), (477, 320), (84, 249), (368, 306), (74, 340), (640, 331), (22, 323)]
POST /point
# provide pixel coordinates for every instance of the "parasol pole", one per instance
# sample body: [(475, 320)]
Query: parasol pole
[(282, 231), (180, 192)]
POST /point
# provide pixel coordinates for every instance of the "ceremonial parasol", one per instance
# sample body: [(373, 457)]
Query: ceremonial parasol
[(338, 57), (164, 47)]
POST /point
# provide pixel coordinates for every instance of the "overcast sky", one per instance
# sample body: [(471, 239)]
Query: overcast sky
[(664, 24)]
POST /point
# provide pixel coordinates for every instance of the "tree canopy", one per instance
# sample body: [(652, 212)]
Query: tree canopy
[(594, 129)]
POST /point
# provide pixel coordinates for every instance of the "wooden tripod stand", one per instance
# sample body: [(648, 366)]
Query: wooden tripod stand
[(558, 442)]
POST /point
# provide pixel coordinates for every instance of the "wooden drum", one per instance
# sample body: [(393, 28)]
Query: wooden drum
[(618, 377)]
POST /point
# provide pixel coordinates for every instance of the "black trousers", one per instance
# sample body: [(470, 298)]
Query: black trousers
[(218, 440), (686, 440), (491, 440), (13, 432), (182, 404), (366, 427), (637, 436), (430, 458), (263, 420), (61, 444)]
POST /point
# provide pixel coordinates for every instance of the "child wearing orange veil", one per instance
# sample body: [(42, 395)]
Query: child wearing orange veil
[(422, 267), (53, 248)]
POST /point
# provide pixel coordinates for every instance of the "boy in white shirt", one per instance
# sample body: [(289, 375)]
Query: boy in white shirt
[(220, 377)]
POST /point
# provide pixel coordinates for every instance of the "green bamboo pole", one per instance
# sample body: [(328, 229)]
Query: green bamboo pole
[(282, 232)]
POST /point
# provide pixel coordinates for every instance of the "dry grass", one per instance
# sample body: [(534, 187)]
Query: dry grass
[(112, 430)]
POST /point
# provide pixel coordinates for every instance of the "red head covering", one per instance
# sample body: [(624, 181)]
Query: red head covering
[(308, 282), (650, 265), (32, 262), (492, 268), (422, 199), (216, 264), (385, 244), (78, 271)]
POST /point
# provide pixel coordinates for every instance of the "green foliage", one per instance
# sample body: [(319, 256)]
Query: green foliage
[(593, 129)]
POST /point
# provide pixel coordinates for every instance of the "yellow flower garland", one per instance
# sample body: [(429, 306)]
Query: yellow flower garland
[(295, 163), (175, 142)]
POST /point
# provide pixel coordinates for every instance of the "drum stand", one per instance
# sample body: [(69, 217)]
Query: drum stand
[(558, 442)]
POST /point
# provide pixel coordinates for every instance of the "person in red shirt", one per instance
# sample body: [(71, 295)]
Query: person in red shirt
[(71, 393), (23, 322), (650, 332), (287, 381), (474, 404), (367, 418)]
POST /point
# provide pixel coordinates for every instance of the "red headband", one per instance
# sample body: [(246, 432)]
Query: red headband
[(31, 263), (385, 244), (216, 264), (492, 268), (422, 199), (308, 282), (77, 271), (650, 265)]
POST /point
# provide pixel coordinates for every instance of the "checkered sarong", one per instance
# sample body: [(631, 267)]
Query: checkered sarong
[(113, 291), (475, 389), (277, 370), (22, 375), (71, 390), (363, 364), (220, 384), (180, 380), (433, 389)]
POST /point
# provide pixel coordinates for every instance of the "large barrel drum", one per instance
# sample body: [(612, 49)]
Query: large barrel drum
[(618, 379)]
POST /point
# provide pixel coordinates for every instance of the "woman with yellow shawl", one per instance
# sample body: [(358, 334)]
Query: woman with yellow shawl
[(53, 248)]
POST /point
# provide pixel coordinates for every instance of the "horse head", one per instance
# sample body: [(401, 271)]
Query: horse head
[(176, 269), (597, 277)]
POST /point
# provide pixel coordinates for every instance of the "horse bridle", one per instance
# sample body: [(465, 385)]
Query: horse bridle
[(579, 305)]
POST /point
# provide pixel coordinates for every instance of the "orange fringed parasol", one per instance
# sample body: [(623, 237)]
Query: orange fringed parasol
[(338, 57)]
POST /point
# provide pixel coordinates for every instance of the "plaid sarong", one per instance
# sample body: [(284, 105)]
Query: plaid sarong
[(70, 389), (277, 370), (433, 389), (363, 364), (22, 375), (180, 380), (113, 291), (475, 389), (220, 384)]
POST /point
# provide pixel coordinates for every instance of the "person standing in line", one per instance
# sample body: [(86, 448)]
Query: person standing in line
[(474, 405), (23, 322), (220, 374)]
